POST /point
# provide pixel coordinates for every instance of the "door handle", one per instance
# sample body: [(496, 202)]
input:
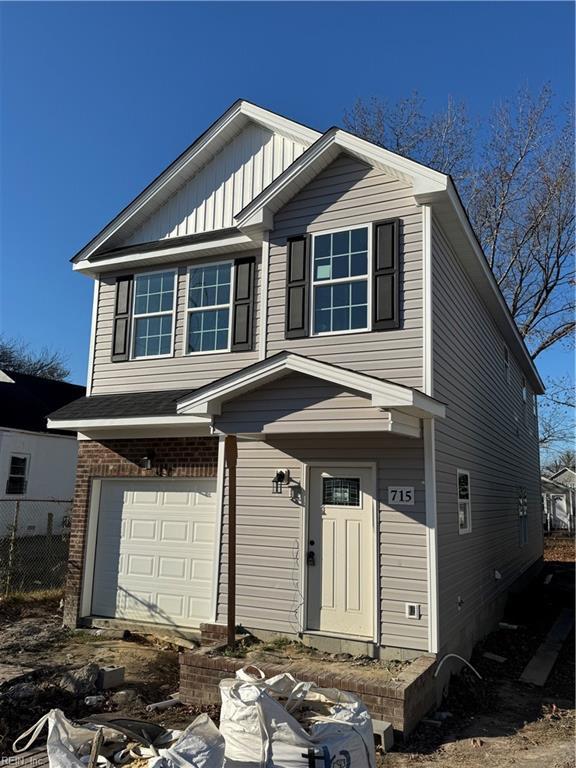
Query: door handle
[(311, 558)]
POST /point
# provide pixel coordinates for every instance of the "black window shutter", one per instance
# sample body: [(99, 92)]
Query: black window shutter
[(386, 275), (243, 309), (121, 334), (298, 287)]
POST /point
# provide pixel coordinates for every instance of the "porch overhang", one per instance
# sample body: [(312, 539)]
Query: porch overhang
[(382, 394)]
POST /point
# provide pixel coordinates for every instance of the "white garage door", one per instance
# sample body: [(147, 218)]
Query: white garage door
[(155, 551)]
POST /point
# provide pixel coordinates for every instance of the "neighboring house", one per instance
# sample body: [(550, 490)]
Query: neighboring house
[(566, 476), (325, 301), (36, 466), (559, 500)]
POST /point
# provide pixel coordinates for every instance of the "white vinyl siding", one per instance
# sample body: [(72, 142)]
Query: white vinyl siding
[(222, 188)]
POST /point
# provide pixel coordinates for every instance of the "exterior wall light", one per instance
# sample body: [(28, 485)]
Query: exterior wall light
[(146, 461), (282, 477)]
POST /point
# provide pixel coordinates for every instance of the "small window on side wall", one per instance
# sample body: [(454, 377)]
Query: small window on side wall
[(523, 516), (464, 501), (507, 364), (17, 476)]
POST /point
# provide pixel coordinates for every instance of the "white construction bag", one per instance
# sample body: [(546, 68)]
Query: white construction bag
[(68, 745), (283, 723)]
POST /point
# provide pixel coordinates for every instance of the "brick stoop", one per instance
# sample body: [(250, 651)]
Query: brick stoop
[(403, 702)]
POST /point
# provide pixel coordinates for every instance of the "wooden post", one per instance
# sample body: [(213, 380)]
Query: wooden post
[(231, 455)]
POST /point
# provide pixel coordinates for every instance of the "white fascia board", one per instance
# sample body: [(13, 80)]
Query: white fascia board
[(137, 421), (167, 255), (424, 180), (279, 124), (383, 394)]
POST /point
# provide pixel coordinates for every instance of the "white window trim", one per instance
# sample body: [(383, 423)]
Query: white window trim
[(357, 278), (229, 306), (522, 516), (18, 455), (172, 312), (468, 529), (507, 364), (524, 390)]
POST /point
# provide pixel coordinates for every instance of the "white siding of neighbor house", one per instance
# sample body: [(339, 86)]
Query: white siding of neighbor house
[(271, 544), (51, 475), (223, 187), (492, 434), (175, 372), (350, 193)]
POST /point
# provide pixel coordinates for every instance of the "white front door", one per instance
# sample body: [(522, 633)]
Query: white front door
[(155, 547), (340, 551)]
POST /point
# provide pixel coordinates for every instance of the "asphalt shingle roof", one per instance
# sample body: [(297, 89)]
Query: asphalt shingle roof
[(129, 405), (26, 401)]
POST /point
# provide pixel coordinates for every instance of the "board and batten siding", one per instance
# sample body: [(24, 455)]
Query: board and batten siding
[(271, 541), (490, 432), (350, 193), (175, 372), (232, 179)]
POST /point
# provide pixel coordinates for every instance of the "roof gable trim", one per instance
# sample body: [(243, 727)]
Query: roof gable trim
[(383, 394)]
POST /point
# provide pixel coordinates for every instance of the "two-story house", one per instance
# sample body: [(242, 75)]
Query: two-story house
[(325, 301)]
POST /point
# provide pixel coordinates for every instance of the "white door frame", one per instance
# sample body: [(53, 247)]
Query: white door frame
[(87, 583), (305, 474)]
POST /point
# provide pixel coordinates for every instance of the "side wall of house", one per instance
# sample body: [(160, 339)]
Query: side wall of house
[(177, 371), (492, 433), (271, 539), (349, 193)]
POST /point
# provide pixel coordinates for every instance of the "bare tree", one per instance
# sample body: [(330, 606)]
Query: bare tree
[(560, 461), (556, 418), (15, 355), (516, 179)]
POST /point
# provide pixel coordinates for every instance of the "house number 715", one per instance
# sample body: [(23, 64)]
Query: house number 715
[(400, 495)]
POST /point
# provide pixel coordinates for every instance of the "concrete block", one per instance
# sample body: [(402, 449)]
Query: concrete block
[(383, 734), (110, 677)]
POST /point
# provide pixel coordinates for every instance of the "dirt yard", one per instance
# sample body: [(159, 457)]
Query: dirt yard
[(497, 721)]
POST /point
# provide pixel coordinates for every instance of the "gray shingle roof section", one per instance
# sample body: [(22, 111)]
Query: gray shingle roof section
[(129, 405)]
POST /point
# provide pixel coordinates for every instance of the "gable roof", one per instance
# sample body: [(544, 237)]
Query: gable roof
[(563, 471), (189, 162), (26, 401), (382, 393), (429, 187)]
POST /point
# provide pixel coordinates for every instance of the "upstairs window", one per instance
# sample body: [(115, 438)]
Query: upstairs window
[(524, 390), (17, 475), (464, 502), (209, 308), (523, 516), (340, 284), (507, 364), (154, 295)]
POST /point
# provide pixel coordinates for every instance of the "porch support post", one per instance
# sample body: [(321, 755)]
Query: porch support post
[(231, 455)]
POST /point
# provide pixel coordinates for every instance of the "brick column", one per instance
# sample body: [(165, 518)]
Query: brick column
[(173, 457)]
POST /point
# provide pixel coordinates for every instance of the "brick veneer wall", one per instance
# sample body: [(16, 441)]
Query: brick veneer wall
[(173, 457), (403, 702)]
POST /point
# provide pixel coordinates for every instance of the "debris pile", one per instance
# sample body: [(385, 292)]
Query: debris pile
[(278, 721)]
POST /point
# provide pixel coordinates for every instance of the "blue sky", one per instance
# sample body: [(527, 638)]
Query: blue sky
[(97, 98)]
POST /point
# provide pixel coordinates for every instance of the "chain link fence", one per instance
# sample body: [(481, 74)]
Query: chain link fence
[(34, 537)]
